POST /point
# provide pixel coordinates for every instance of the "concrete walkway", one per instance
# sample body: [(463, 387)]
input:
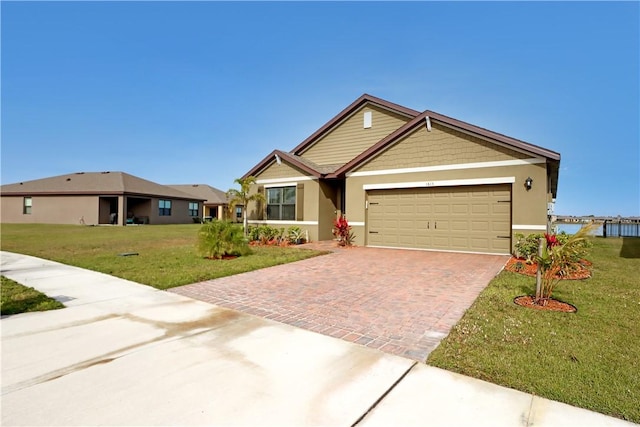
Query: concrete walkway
[(127, 354)]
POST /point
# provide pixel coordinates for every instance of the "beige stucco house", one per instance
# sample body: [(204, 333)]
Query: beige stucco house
[(97, 198), (216, 202), (409, 179)]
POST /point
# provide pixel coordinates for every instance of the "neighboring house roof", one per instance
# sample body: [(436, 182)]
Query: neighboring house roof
[(296, 156), (211, 195), (94, 183)]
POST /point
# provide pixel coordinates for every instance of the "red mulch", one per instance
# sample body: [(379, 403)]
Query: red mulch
[(551, 304), (519, 265)]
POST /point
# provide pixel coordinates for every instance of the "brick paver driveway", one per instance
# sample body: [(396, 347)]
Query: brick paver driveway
[(399, 301)]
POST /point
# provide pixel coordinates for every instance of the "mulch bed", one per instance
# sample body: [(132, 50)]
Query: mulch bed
[(519, 265), (551, 304)]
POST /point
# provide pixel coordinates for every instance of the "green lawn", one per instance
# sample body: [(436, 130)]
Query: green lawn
[(589, 359), (167, 254), (16, 298)]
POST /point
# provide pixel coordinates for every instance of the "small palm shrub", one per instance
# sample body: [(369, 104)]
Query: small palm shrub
[(217, 239), (560, 256)]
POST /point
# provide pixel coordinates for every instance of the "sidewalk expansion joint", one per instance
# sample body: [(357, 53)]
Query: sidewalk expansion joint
[(372, 407)]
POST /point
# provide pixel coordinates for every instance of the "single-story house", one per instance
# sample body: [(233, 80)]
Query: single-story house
[(97, 198), (409, 179), (216, 204)]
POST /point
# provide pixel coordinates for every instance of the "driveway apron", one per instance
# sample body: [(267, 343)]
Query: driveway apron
[(401, 302)]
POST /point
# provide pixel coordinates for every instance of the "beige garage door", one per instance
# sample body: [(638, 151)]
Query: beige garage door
[(466, 218)]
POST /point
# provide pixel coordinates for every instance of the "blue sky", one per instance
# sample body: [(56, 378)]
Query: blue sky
[(199, 92)]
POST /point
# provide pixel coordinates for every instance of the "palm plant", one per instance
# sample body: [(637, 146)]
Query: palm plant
[(217, 239), (558, 259), (243, 197)]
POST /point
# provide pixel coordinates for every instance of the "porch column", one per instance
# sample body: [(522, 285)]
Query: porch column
[(122, 210)]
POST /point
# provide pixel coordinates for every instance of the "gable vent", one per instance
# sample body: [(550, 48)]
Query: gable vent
[(367, 119)]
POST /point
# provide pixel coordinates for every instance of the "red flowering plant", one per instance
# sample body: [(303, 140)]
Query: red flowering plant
[(559, 258), (342, 231)]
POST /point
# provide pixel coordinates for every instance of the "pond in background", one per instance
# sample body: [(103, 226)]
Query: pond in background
[(573, 228)]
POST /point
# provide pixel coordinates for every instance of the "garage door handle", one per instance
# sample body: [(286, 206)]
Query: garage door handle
[(373, 232)]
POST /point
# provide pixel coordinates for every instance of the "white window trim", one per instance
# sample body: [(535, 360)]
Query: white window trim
[(279, 222), (441, 183), (284, 184), (528, 227), (478, 165), (283, 180)]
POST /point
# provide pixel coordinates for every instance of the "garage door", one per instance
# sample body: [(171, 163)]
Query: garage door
[(466, 218)]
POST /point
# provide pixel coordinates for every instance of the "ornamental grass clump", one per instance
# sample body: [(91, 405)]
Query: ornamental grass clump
[(560, 256)]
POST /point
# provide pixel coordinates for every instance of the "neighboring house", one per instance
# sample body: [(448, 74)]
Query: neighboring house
[(97, 198), (409, 179), (216, 203)]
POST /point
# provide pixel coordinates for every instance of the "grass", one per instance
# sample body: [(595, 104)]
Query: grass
[(167, 254), (16, 298), (590, 359)]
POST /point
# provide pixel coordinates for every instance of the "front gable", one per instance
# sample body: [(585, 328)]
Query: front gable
[(440, 146), (278, 171), (355, 134)]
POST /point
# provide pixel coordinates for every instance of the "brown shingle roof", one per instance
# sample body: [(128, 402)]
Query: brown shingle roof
[(210, 194), (336, 171), (93, 183)]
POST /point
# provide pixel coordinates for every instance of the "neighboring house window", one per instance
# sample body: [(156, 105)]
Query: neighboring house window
[(193, 209), (164, 208), (238, 212), (26, 207), (281, 203)]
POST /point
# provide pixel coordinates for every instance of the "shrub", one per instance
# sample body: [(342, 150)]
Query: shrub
[(221, 238), (342, 231), (267, 234), (294, 235), (527, 247), (560, 258)]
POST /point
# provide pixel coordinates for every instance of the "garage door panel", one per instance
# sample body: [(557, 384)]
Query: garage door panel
[(480, 209), (460, 209), (468, 218), (501, 227), (480, 226), (479, 243), (459, 226)]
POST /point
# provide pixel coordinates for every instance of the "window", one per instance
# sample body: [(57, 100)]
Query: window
[(26, 206), (193, 209), (238, 212), (164, 208), (281, 203)]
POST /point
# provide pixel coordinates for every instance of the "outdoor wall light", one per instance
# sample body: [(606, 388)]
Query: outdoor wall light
[(527, 183)]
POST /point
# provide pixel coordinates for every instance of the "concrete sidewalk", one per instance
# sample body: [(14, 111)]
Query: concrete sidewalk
[(127, 354)]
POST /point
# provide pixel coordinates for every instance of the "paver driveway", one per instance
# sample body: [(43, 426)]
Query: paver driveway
[(399, 301)]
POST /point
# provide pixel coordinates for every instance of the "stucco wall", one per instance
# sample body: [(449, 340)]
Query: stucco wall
[(51, 210), (83, 209), (311, 203)]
